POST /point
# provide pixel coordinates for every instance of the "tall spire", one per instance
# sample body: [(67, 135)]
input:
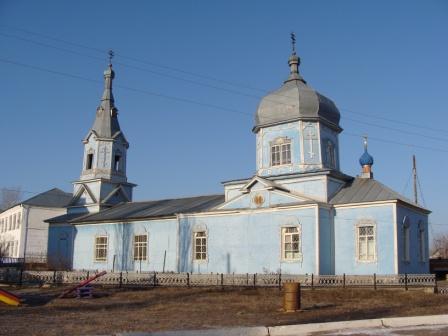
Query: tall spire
[(294, 62), (106, 121)]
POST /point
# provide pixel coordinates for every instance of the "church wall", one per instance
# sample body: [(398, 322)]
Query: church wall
[(414, 265), (60, 245), (326, 242), (162, 236), (314, 188), (345, 221), (248, 242)]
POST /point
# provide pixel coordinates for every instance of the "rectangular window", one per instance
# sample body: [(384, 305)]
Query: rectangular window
[(200, 245), (89, 162), (117, 162), (366, 243), (406, 247), (281, 154), (101, 248), (140, 247), (290, 243), (421, 241)]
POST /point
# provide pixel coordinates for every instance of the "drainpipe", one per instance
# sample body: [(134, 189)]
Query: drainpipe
[(178, 217)]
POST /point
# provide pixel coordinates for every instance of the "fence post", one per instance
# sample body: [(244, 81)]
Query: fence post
[(121, 280), (154, 279), (222, 281), (280, 281), (255, 280), (406, 281), (54, 277), (247, 279), (343, 281), (88, 275), (20, 279), (312, 280), (7, 275), (188, 279), (374, 281)]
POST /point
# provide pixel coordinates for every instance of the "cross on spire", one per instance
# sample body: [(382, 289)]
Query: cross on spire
[(293, 42), (365, 141), (111, 55)]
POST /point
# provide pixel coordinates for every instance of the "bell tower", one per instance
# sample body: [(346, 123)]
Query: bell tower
[(103, 180)]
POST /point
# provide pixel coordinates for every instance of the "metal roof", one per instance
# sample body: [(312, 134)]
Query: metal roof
[(295, 100), (362, 190), (153, 209)]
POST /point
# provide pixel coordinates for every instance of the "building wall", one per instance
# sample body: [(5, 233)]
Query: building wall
[(162, 236), (248, 242), (326, 241), (345, 221), (11, 232), (414, 265)]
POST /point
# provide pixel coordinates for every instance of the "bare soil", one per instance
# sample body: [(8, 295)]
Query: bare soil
[(155, 309)]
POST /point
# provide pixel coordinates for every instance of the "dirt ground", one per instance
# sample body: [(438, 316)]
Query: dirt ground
[(154, 309)]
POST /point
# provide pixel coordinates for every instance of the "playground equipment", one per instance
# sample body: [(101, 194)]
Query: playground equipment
[(9, 298), (82, 284)]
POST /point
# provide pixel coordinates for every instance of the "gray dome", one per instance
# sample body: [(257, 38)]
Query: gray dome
[(296, 101)]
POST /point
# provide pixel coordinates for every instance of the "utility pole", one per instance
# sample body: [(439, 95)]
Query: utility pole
[(414, 175)]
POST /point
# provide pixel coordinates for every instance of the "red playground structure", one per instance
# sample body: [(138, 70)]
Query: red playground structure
[(82, 284)]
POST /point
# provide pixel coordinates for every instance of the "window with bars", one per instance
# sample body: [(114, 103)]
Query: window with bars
[(281, 152), (141, 247), (200, 246), (291, 243), (101, 248), (366, 245)]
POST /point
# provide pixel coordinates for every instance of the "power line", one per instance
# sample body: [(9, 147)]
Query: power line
[(209, 78), (190, 101)]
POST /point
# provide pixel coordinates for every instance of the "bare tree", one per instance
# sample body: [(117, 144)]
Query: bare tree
[(440, 246), (9, 197)]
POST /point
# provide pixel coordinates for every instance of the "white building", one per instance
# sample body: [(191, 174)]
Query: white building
[(23, 232)]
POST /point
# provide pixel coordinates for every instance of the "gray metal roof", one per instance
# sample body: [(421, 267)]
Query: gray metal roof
[(362, 190), (53, 198), (295, 100), (153, 209), (64, 218), (106, 121)]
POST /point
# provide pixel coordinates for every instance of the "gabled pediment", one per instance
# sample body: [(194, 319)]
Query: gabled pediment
[(117, 195), (262, 193), (83, 196)]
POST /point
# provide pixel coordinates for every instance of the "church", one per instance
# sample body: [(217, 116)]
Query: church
[(298, 214)]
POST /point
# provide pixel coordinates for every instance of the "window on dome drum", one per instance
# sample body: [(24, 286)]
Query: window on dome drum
[(291, 242), (101, 248), (406, 240), (200, 246), (421, 241), (117, 162), (331, 155), (89, 162), (280, 152), (140, 247), (366, 244)]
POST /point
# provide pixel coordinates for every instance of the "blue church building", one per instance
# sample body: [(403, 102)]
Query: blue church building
[(298, 214)]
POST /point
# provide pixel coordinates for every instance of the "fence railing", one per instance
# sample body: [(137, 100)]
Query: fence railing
[(130, 279)]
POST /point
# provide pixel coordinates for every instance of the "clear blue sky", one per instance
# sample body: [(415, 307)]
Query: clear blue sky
[(384, 63)]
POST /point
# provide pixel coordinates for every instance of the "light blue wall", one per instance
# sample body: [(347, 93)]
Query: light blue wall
[(60, 245), (162, 236), (345, 240), (414, 266), (249, 242), (326, 241)]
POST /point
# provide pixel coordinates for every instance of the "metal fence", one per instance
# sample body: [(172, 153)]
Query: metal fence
[(131, 279)]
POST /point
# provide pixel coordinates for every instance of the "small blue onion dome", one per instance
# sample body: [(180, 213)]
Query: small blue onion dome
[(366, 159)]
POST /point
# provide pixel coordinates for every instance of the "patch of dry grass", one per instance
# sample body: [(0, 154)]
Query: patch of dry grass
[(154, 309)]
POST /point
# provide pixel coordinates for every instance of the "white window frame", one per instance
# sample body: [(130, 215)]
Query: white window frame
[(283, 147), (96, 249), (284, 234), (203, 254), (140, 246), (406, 240), (368, 258)]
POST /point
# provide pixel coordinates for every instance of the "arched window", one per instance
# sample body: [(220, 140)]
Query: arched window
[(280, 151), (331, 154), (406, 239), (89, 159), (117, 160), (421, 241)]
